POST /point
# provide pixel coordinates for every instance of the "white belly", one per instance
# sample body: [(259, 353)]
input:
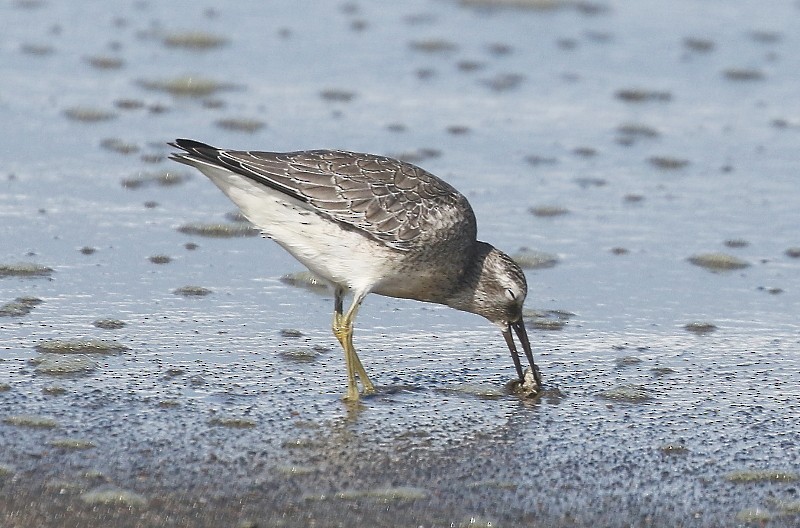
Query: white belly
[(342, 256)]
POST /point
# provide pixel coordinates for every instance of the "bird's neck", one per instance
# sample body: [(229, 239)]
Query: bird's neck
[(470, 289)]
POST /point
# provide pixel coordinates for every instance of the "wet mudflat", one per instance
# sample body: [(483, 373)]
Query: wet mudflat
[(158, 369)]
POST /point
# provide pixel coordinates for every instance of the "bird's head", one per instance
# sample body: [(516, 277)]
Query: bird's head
[(496, 289)]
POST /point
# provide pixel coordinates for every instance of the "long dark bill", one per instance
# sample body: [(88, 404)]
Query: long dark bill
[(522, 334)]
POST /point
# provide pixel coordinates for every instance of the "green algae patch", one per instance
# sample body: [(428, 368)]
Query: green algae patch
[(483, 392), (746, 476), (58, 365), (62, 487), (299, 355), (530, 259), (433, 45), (642, 95), (5, 471), (736, 243), (238, 124), (119, 146), (637, 131), (337, 95), (165, 178), (627, 361), (301, 443), (662, 371), (494, 484), (113, 496), (37, 50), (31, 420), (218, 230), (192, 291), (194, 40), (754, 516), (385, 495), (477, 522), (105, 62), (503, 82), (109, 324), (71, 443), (788, 507), (19, 307), (699, 327), (233, 422), (547, 324), (24, 269), (293, 470), (718, 261), (545, 211), (698, 44), (5, 387), (626, 393), (743, 74), (80, 346), (551, 320), (307, 280), (673, 449), (86, 114), (667, 162), (187, 86)]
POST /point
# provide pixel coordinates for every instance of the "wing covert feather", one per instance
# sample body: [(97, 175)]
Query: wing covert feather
[(389, 200)]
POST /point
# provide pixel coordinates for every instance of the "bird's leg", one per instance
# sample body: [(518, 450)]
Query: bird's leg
[(340, 331), (343, 330), (338, 308), (355, 362)]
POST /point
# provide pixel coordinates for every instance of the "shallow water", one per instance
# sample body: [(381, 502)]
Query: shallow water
[(663, 133)]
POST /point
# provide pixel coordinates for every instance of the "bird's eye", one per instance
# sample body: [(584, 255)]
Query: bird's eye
[(511, 295)]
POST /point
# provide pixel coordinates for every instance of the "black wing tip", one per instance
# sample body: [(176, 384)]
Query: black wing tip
[(190, 145)]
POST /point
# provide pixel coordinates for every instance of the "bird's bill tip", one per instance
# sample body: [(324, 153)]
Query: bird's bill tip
[(522, 335)]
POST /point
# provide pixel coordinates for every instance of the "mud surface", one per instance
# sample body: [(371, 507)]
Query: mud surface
[(157, 368)]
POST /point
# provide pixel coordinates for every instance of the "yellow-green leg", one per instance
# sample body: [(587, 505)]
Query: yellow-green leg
[(343, 330)]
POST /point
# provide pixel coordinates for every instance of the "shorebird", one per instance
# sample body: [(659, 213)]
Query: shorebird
[(371, 224)]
